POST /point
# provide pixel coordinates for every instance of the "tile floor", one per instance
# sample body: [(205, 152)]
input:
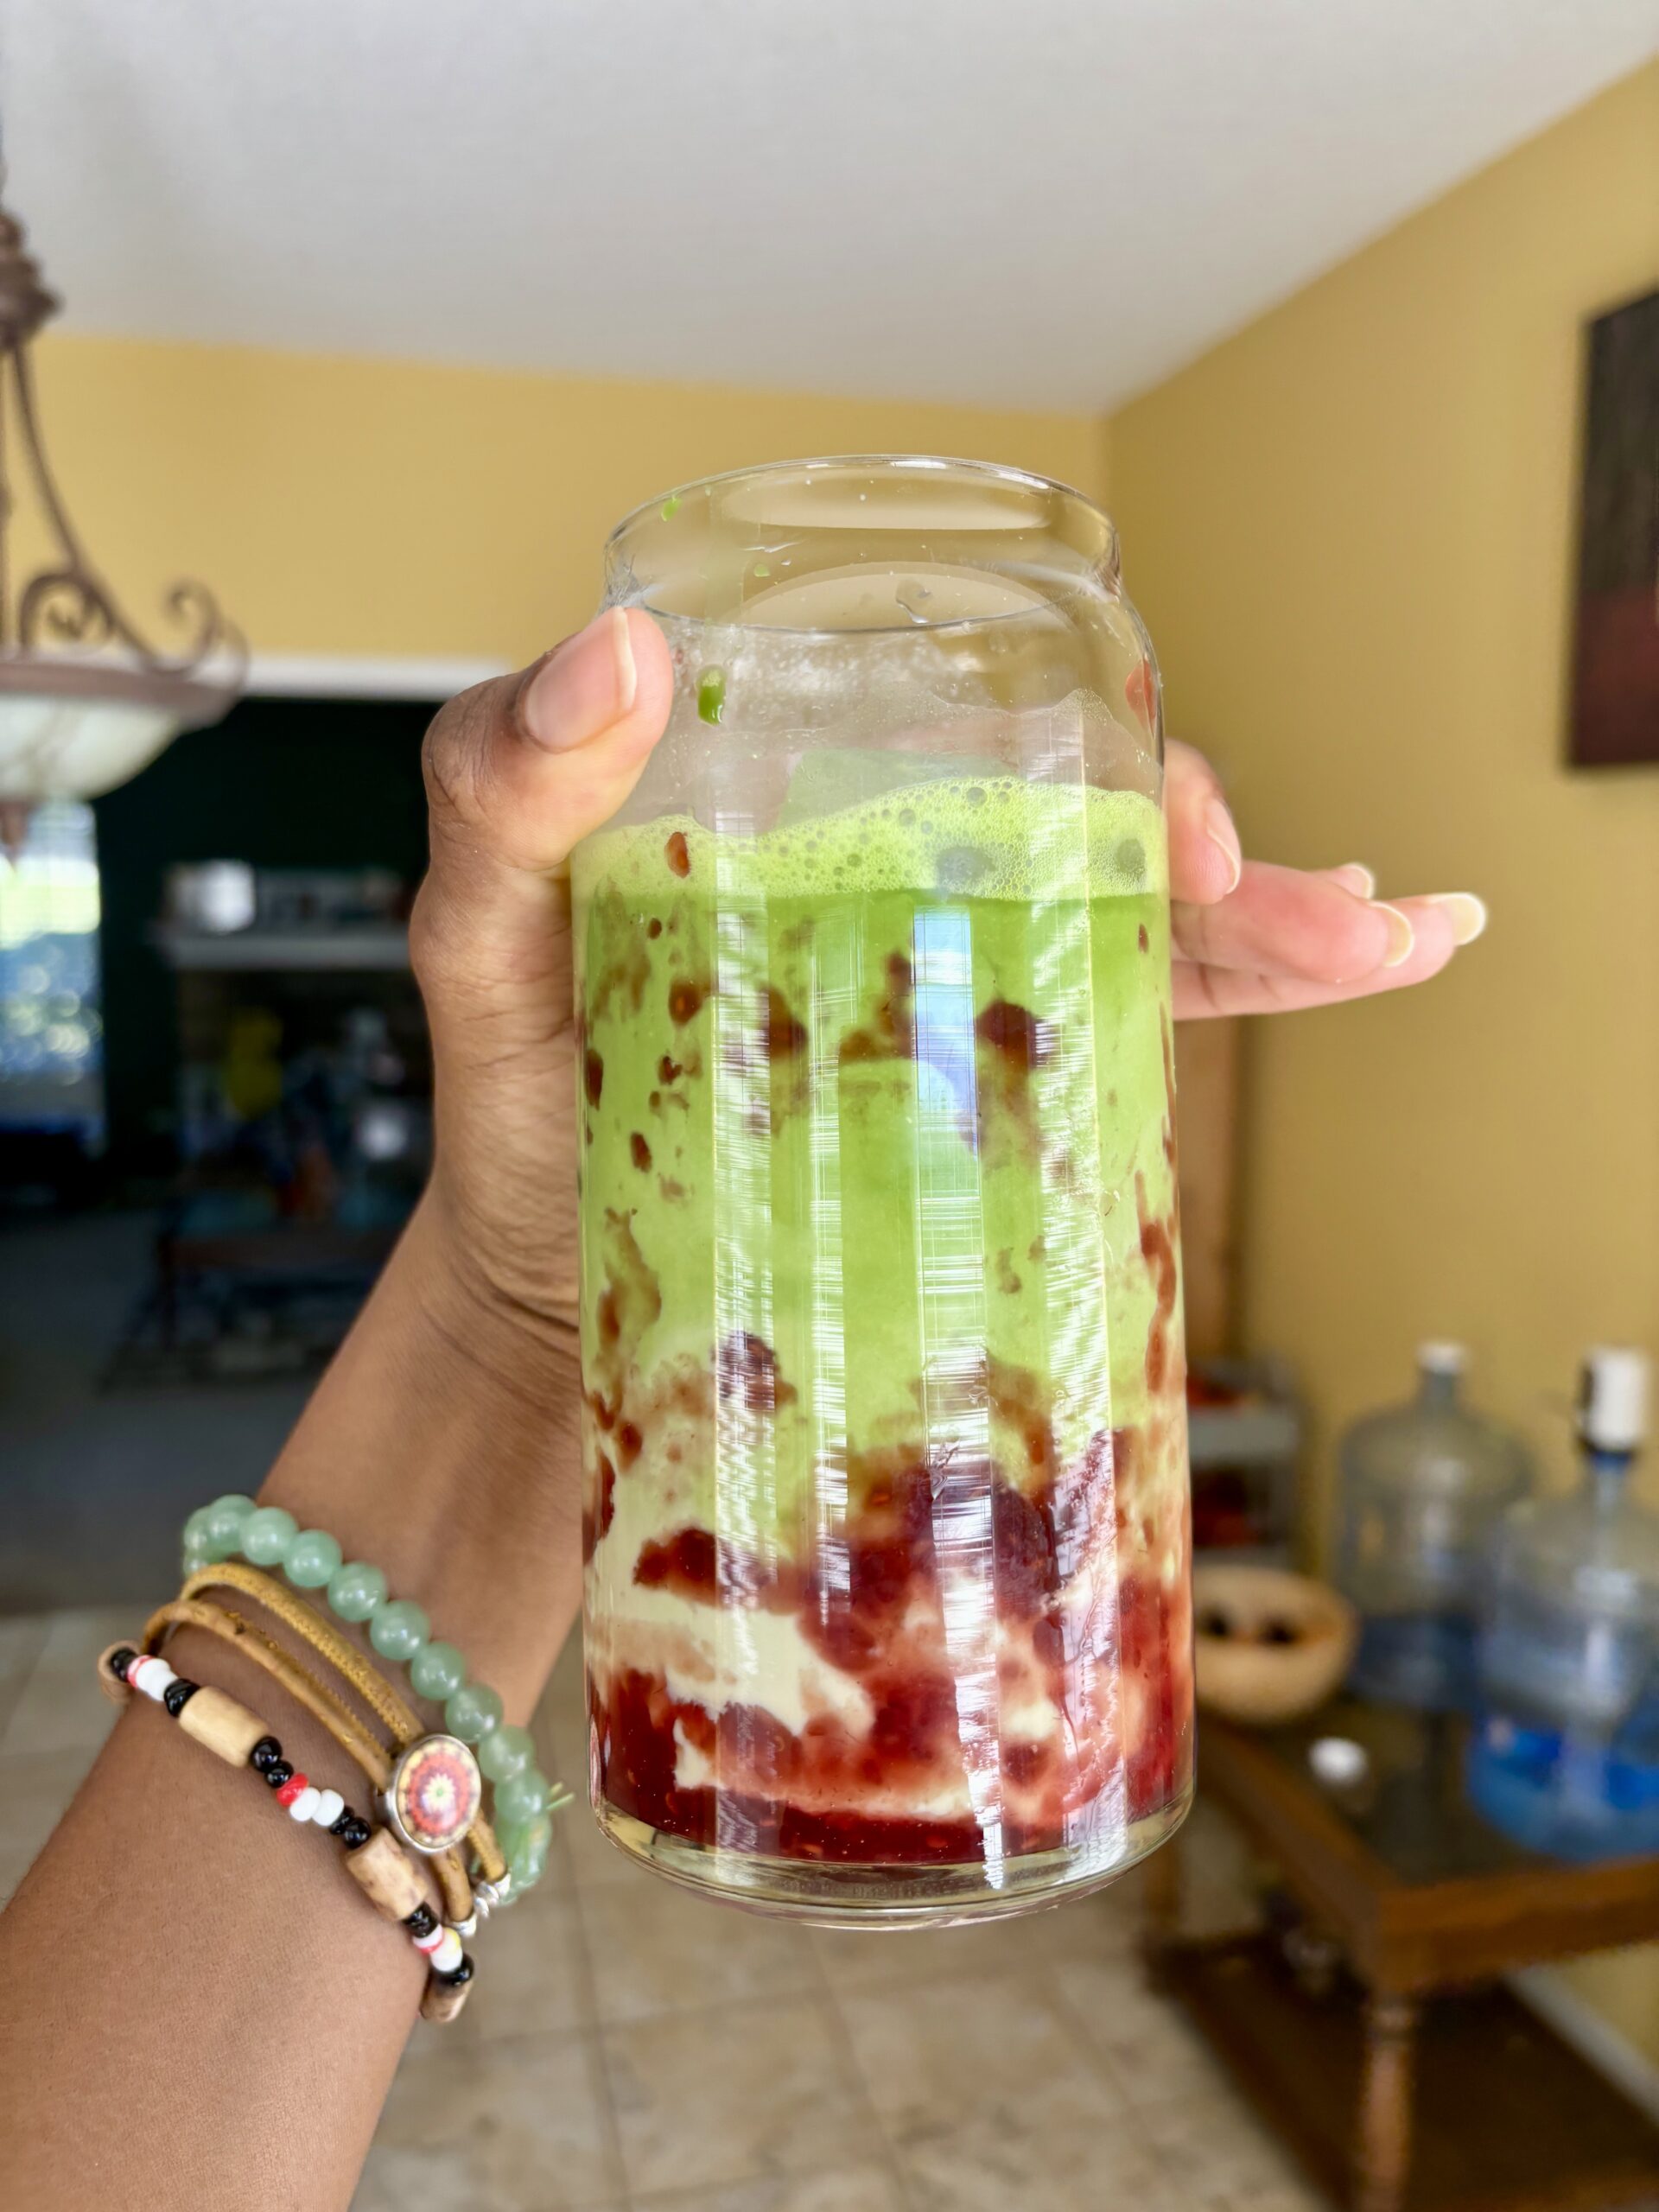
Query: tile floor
[(99, 1480), (631, 2049)]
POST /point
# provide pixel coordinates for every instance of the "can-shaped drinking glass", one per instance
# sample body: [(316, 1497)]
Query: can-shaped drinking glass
[(886, 1505)]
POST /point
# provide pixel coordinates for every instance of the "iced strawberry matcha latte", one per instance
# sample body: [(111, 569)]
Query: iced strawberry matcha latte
[(886, 1514)]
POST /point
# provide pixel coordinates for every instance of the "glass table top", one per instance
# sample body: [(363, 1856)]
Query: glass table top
[(1410, 1809)]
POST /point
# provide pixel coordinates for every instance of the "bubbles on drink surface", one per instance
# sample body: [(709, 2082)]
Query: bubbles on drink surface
[(711, 694), (996, 837)]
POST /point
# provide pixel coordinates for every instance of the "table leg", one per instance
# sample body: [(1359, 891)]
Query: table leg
[(1383, 2151)]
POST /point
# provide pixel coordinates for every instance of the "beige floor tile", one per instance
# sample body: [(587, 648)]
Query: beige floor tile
[(1212, 1909), (594, 1859), (532, 1978), (559, 1880), (560, 1722), (853, 1959), (561, 1755), (1215, 2150), (561, 1752), (1221, 1892), (1154, 2071), (447, 2181), (61, 1707), (510, 2127), (22, 1635), (1152, 2051), (565, 1682), (21, 1640), (442, 2181), (996, 2050), (856, 1961), (34, 1793), (848, 2189), (655, 1948), (1110, 1922), (978, 2165), (732, 2095), (1301, 2196)]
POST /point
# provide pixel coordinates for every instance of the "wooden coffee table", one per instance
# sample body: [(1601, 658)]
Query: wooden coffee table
[(1394, 2102)]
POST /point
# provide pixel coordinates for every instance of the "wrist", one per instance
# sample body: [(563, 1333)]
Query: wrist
[(509, 1271), (499, 1330)]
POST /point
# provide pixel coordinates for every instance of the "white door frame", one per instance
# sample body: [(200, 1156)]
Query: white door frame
[(323, 675)]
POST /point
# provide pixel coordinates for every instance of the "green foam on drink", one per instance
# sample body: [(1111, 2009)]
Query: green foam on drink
[(994, 835)]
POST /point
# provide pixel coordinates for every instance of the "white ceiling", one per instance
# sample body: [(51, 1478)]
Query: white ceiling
[(1050, 202)]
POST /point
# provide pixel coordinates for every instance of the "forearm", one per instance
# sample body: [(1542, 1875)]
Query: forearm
[(443, 1445), (199, 2006)]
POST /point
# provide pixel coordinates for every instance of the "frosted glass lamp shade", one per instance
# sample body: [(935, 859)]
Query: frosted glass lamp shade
[(75, 728), (77, 749)]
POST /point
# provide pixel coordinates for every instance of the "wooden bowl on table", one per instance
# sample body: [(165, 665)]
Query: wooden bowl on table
[(1270, 1646)]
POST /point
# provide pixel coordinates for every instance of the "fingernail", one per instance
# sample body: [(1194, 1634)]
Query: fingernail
[(1219, 828), (588, 684), (1402, 935), (1468, 914), (1358, 878)]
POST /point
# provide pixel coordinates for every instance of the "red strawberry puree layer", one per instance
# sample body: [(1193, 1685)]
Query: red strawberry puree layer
[(995, 1672)]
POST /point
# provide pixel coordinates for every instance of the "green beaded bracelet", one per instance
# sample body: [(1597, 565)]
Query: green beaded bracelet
[(266, 1536)]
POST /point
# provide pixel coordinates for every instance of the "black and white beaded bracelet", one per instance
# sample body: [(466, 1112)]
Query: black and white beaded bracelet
[(373, 1855)]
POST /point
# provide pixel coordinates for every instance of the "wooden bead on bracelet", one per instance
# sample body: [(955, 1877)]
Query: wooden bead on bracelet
[(386, 1876), (228, 1730)]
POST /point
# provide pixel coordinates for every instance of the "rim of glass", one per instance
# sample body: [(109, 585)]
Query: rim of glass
[(1105, 563)]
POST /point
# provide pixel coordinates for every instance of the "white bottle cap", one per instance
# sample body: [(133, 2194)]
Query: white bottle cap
[(1613, 1397), (1440, 1357), (1337, 1761)]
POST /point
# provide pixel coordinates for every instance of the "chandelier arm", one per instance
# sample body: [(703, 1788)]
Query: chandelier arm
[(72, 600), (76, 721)]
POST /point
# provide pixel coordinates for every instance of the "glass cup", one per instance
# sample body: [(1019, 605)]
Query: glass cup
[(886, 1508)]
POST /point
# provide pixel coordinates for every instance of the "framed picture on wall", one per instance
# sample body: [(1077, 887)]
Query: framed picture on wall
[(1616, 654)]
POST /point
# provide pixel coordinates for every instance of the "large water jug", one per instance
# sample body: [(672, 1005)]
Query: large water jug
[(1566, 1758), (1423, 1487)]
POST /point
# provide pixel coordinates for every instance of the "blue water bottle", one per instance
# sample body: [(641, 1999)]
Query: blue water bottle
[(1565, 1757), (1423, 1486)]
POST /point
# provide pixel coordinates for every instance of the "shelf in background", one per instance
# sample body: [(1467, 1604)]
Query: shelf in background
[(358, 945), (1241, 1436)]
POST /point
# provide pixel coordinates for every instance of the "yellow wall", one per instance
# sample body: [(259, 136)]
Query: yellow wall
[(373, 507), (1350, 531)]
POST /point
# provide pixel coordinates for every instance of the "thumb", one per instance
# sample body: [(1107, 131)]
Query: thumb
[(527, 765), (517, 771)]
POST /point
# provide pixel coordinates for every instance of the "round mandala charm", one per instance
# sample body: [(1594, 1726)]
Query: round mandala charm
[(435, 1794)]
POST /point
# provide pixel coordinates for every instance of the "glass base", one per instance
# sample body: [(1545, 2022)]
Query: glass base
[(865, 1895)]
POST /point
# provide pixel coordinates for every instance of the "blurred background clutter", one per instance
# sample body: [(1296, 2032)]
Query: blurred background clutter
[(375, 320)]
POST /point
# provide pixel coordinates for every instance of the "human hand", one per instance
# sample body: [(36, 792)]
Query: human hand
[(1250, 937), (519, 769)]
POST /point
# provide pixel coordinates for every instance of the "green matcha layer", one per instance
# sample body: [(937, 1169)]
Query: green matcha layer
[(877, 1132)]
